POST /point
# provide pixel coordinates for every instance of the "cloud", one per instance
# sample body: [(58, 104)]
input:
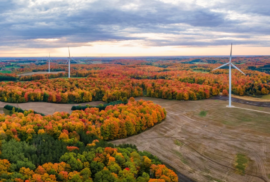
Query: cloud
[(29, 23)]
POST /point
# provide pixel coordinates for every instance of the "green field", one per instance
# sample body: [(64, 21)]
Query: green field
[(266, 96), (67, 77), (199, 63), (12, 66), (5, 71), (199, 71)]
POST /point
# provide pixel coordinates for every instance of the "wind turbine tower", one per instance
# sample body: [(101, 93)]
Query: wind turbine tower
[(69, 64), (230, 76)]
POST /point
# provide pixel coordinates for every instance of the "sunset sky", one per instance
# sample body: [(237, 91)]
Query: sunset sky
[(95, 28)]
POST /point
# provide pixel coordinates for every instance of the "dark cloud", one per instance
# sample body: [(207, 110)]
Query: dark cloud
[(76, 23)]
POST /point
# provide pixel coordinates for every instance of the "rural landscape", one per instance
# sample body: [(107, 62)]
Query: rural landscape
[(135, 120), (134, 91)]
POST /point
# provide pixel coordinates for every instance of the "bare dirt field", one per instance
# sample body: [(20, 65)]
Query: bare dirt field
[(205, 146), (47, 108), (41, 72)]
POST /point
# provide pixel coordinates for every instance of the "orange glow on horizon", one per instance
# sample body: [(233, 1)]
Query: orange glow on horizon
[(127, 49)]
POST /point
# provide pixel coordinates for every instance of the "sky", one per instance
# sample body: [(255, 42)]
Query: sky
[(106, 28)]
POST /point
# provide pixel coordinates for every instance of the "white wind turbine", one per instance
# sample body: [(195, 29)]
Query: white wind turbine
[(230, 76), (69, 64)]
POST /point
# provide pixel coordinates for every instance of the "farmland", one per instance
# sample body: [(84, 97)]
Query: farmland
[(165, 112), (205, 147)]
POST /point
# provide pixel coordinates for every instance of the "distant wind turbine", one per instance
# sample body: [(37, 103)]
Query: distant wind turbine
[(69, 64), (230, 76)]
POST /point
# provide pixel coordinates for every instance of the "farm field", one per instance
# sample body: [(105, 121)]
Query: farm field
[(5, 71), (40, 72), (48, 108), (205, 146)]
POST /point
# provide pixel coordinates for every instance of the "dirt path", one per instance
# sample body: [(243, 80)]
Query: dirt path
[(247, 98), (40, 72), (244, 101), (204, 148), (47, 108)]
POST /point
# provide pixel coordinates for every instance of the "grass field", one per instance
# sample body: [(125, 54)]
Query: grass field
[(12, 66), (67, 77), (199, 71), (266, 96), (199, 63), (5, 71)]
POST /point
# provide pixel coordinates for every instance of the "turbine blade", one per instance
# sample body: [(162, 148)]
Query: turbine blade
[(238, 69), (220, 66)]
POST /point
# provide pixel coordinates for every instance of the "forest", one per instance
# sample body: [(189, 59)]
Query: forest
[(73, 147), (112, 82)]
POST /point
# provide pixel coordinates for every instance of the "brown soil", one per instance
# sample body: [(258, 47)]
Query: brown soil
[(41, 72), (247, 98), (47, 108), (204, 148)]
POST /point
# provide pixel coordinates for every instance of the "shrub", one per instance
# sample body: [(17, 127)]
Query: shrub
[(13, 109)]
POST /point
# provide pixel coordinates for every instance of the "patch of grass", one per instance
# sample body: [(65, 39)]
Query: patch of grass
[(200, 63), (266, 96), (5, 71), (210, 178), (179, 143), (227, 123), (200, 71), (241, 163), (180, 156), (67, 77), (203, 113), (12, 66)]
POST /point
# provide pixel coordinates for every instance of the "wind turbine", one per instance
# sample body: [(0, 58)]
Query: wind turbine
[(230, 76), (49, 63), (69, 64)]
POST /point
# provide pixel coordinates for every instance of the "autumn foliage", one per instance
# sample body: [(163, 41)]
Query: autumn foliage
[(114, 122), (114, 164), (40, 138), (125, 79)]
